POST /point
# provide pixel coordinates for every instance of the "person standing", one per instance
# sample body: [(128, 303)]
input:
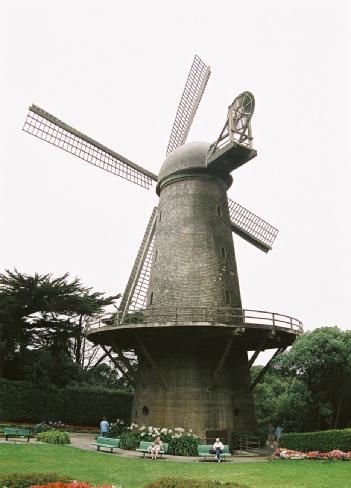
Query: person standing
[(278, 433), (218, 449), (271, 435), (104, 427)]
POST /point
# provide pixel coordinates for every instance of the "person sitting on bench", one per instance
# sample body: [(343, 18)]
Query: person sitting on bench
[(156, 447), (217, 449)]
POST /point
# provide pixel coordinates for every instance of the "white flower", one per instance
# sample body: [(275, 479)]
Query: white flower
[(170, 431), (149, 429), (190, 430), (142, 434)]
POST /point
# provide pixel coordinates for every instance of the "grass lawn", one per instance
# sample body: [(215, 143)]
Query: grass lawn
[(102, 468)]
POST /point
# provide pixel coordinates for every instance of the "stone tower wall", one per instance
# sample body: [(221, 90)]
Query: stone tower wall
[(194, 262)]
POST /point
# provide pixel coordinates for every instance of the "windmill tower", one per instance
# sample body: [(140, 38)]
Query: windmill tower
[(181, 312)]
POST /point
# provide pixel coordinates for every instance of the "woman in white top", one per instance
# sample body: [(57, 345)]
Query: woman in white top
[(218, 449), (156, 447)]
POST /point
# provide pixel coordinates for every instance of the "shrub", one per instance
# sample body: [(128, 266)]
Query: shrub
[(117, 428), (73, 484), (183, 446), (184, 483), (326, 440), (181, 442), (54, 437), (129, 440), (23, 401), (23, 480)]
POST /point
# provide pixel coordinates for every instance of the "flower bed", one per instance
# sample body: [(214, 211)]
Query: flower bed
[(282, 453), (72, 484), (181, 442)]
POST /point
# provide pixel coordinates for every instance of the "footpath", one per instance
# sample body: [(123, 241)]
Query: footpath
[(84, 441)]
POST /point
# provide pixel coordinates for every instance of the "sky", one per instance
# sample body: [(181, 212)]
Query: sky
[(115, 70)]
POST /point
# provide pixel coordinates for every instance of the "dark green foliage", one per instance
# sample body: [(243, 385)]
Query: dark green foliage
[(184, 483), (54, 437), (24, 402), (46, 314), (322, 360), (24, 480), (129, 441), (326, 440), (309, 387), (183, 446)]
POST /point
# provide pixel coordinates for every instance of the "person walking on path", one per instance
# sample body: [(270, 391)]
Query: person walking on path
[(104, 427), (218, 449)]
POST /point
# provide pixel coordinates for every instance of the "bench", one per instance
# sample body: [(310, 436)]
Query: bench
[(108, 442), (145, 448), (16, 432), (204, 450)]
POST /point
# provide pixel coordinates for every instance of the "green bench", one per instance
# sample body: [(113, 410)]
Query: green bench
[(204, 450), (108, 442), (15, 432), (145, 448)]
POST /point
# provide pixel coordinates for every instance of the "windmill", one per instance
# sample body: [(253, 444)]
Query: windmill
[(181, 313)]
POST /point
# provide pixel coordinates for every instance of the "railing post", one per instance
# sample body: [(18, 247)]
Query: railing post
[(176, 315)]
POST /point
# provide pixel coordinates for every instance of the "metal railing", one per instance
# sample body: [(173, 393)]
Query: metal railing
[(250, 443), (208, 315)]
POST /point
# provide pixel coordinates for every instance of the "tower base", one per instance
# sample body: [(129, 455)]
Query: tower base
[(179, 388)]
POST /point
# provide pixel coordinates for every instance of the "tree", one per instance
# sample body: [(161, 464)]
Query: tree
[(283, 400), (44, 313), (322, 360)]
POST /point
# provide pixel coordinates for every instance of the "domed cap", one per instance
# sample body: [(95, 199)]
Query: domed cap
[(189, 156)]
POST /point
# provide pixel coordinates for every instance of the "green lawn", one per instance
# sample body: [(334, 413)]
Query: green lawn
[(102, 468)]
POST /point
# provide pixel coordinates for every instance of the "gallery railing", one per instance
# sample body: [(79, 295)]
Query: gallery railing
[(207, 315)]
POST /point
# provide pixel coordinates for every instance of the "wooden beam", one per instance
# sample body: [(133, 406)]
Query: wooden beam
[(125, 375), (151, 361), (123, 359), (264, 370), (221, 361), (257, 352)]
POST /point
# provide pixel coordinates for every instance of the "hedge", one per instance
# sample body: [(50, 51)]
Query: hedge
[(24, 480), (189, 483), (326, 440), (21, 401)]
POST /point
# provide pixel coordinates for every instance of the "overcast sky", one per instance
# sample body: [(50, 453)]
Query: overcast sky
[(115, 70)]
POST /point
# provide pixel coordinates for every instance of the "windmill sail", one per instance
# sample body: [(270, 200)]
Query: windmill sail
[(194, 88), (134, 297), (41, 124), (251, 227)]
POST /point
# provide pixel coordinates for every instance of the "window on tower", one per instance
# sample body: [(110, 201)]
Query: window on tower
[(151, 298), (223, 253), (227, 296), (219, 211)]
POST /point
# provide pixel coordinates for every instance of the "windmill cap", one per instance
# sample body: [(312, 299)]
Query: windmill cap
[(185, 159)]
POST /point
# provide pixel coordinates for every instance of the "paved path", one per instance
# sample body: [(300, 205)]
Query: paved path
[(84, 441)]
